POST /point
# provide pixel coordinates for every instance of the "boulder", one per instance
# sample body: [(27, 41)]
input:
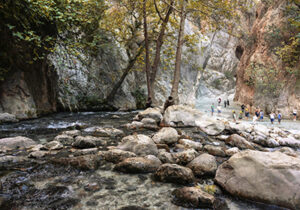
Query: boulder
[(239, 127), (289, 141), (145, 164), (210, 126), (203, 165), (191, 144), (192, 197), (289, 151), (149, 121), (18, 142), (53, 145), (232, 151), (83, 142), (117, 155), (215, 150), (139, 144), (85, 162), (134, 125), (240, 142), (12, 161), (166, 135), (261, 129), (37, 154), (72, 133), (222, 137), (89, 151), (186, 156), (174, 173), (266, 141), (6, 118), (64, 139), (154, 113), (165, 157), (103, 131), (180, 115), (270, 177)]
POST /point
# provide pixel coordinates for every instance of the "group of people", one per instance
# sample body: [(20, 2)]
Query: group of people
[(226, 103)]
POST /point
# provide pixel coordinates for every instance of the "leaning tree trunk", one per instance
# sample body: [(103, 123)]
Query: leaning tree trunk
[(176, 78), (147, 60)]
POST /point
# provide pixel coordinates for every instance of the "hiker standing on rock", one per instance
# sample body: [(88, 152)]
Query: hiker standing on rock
[(225, 103), (279, 117), (234, 116), (219, 101), (212, 109), (247, 113), (272, 117), (295, 114), (219, 109), (243, 108), (261, 115)]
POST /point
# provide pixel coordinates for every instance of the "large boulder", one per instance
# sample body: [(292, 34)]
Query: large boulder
[(18, 142), (289, 141), (180, 115), (192, 197), (6, 117), (210, 126), (117, 155), (240, 142), (203, 165), (145, 164), (270, 177), (165, 156), (166, 135), (174, 173), (154, 113), (139, 144)]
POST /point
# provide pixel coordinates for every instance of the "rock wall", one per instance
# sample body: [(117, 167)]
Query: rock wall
[(256, 49)]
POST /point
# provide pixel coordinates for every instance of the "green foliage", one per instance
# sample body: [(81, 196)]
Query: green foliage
[(216, 83), (273, 37), (140, 98)]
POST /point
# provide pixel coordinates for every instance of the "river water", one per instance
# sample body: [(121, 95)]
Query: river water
[(39, 184)]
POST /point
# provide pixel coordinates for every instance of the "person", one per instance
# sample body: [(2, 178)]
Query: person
[(295, 114), (219, 109), (241, 115), (219, 101), (279, 117), (257, 113), (247, 114), (149, 102), (254, 119), (243, 108), (272, 117), (234, 116), (261, 115), (225, 103), (212, 109), (169, 102)]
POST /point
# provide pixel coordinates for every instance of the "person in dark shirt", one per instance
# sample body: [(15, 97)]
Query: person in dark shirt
[(243, 107), (169, 102)]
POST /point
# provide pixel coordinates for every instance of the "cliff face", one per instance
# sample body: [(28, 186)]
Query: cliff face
[(261, 78)]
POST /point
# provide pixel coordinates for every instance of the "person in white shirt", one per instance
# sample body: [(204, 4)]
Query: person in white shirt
[(272, 117)]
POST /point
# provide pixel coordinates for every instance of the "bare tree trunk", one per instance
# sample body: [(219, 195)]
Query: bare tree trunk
[(176, 78), (147, 60), (159, 43)]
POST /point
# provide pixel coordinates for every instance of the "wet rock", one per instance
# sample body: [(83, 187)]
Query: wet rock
[(265, 141), (53, 145), (166, 135), (7, 118), (15, 160), (185, 156), (163, 146), (89, 151), (210, 126), (117, 155), (92, 187), (115, 117), (232, 151), (222, 137), (149, 121), (174, 173), (38, 154), (154, 113), (86, 162), (165, 157), (64, 139), (180, 115), (145, 164), (191, 144), (240, 142), (192, 197), (18, 142), (134, 125), (289, 151), (88, 142), (92, 203), (204, 164), (72, 133), (104, 132), (215, 150), (35, 148), (270, 177), (139, 144), (290, 142)]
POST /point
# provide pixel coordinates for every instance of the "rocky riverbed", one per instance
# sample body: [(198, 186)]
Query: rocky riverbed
[(145, 160)]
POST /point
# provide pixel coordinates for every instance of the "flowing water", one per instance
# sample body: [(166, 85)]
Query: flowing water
[(39, 184)]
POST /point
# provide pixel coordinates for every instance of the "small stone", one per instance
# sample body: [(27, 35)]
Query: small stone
[(64, 139), (215, 150), (37, 154), (53, 145)]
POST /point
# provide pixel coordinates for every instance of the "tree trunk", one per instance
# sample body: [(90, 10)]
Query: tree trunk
[(147, 59), (159, 43), (176, 78)]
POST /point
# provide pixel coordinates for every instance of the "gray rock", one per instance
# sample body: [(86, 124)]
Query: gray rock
[(88, 142), (72, 133), (145, 164), (149, 121), (232, 151), (240, 142), (204, 164), (289, 151), (37, 154), (210, 126), (15, 160), (166, 135), (64, 139), (185, 156), (154, 113), (269, 177), (134, 125), (103, 132), (165, 157), (53, 145), (215, 150), (290, 142), (89, 151), (174, 173), (139, 144), (191, 144), (117, 155), (85, 162), (192, 197), (6, 117), (18, 142)]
